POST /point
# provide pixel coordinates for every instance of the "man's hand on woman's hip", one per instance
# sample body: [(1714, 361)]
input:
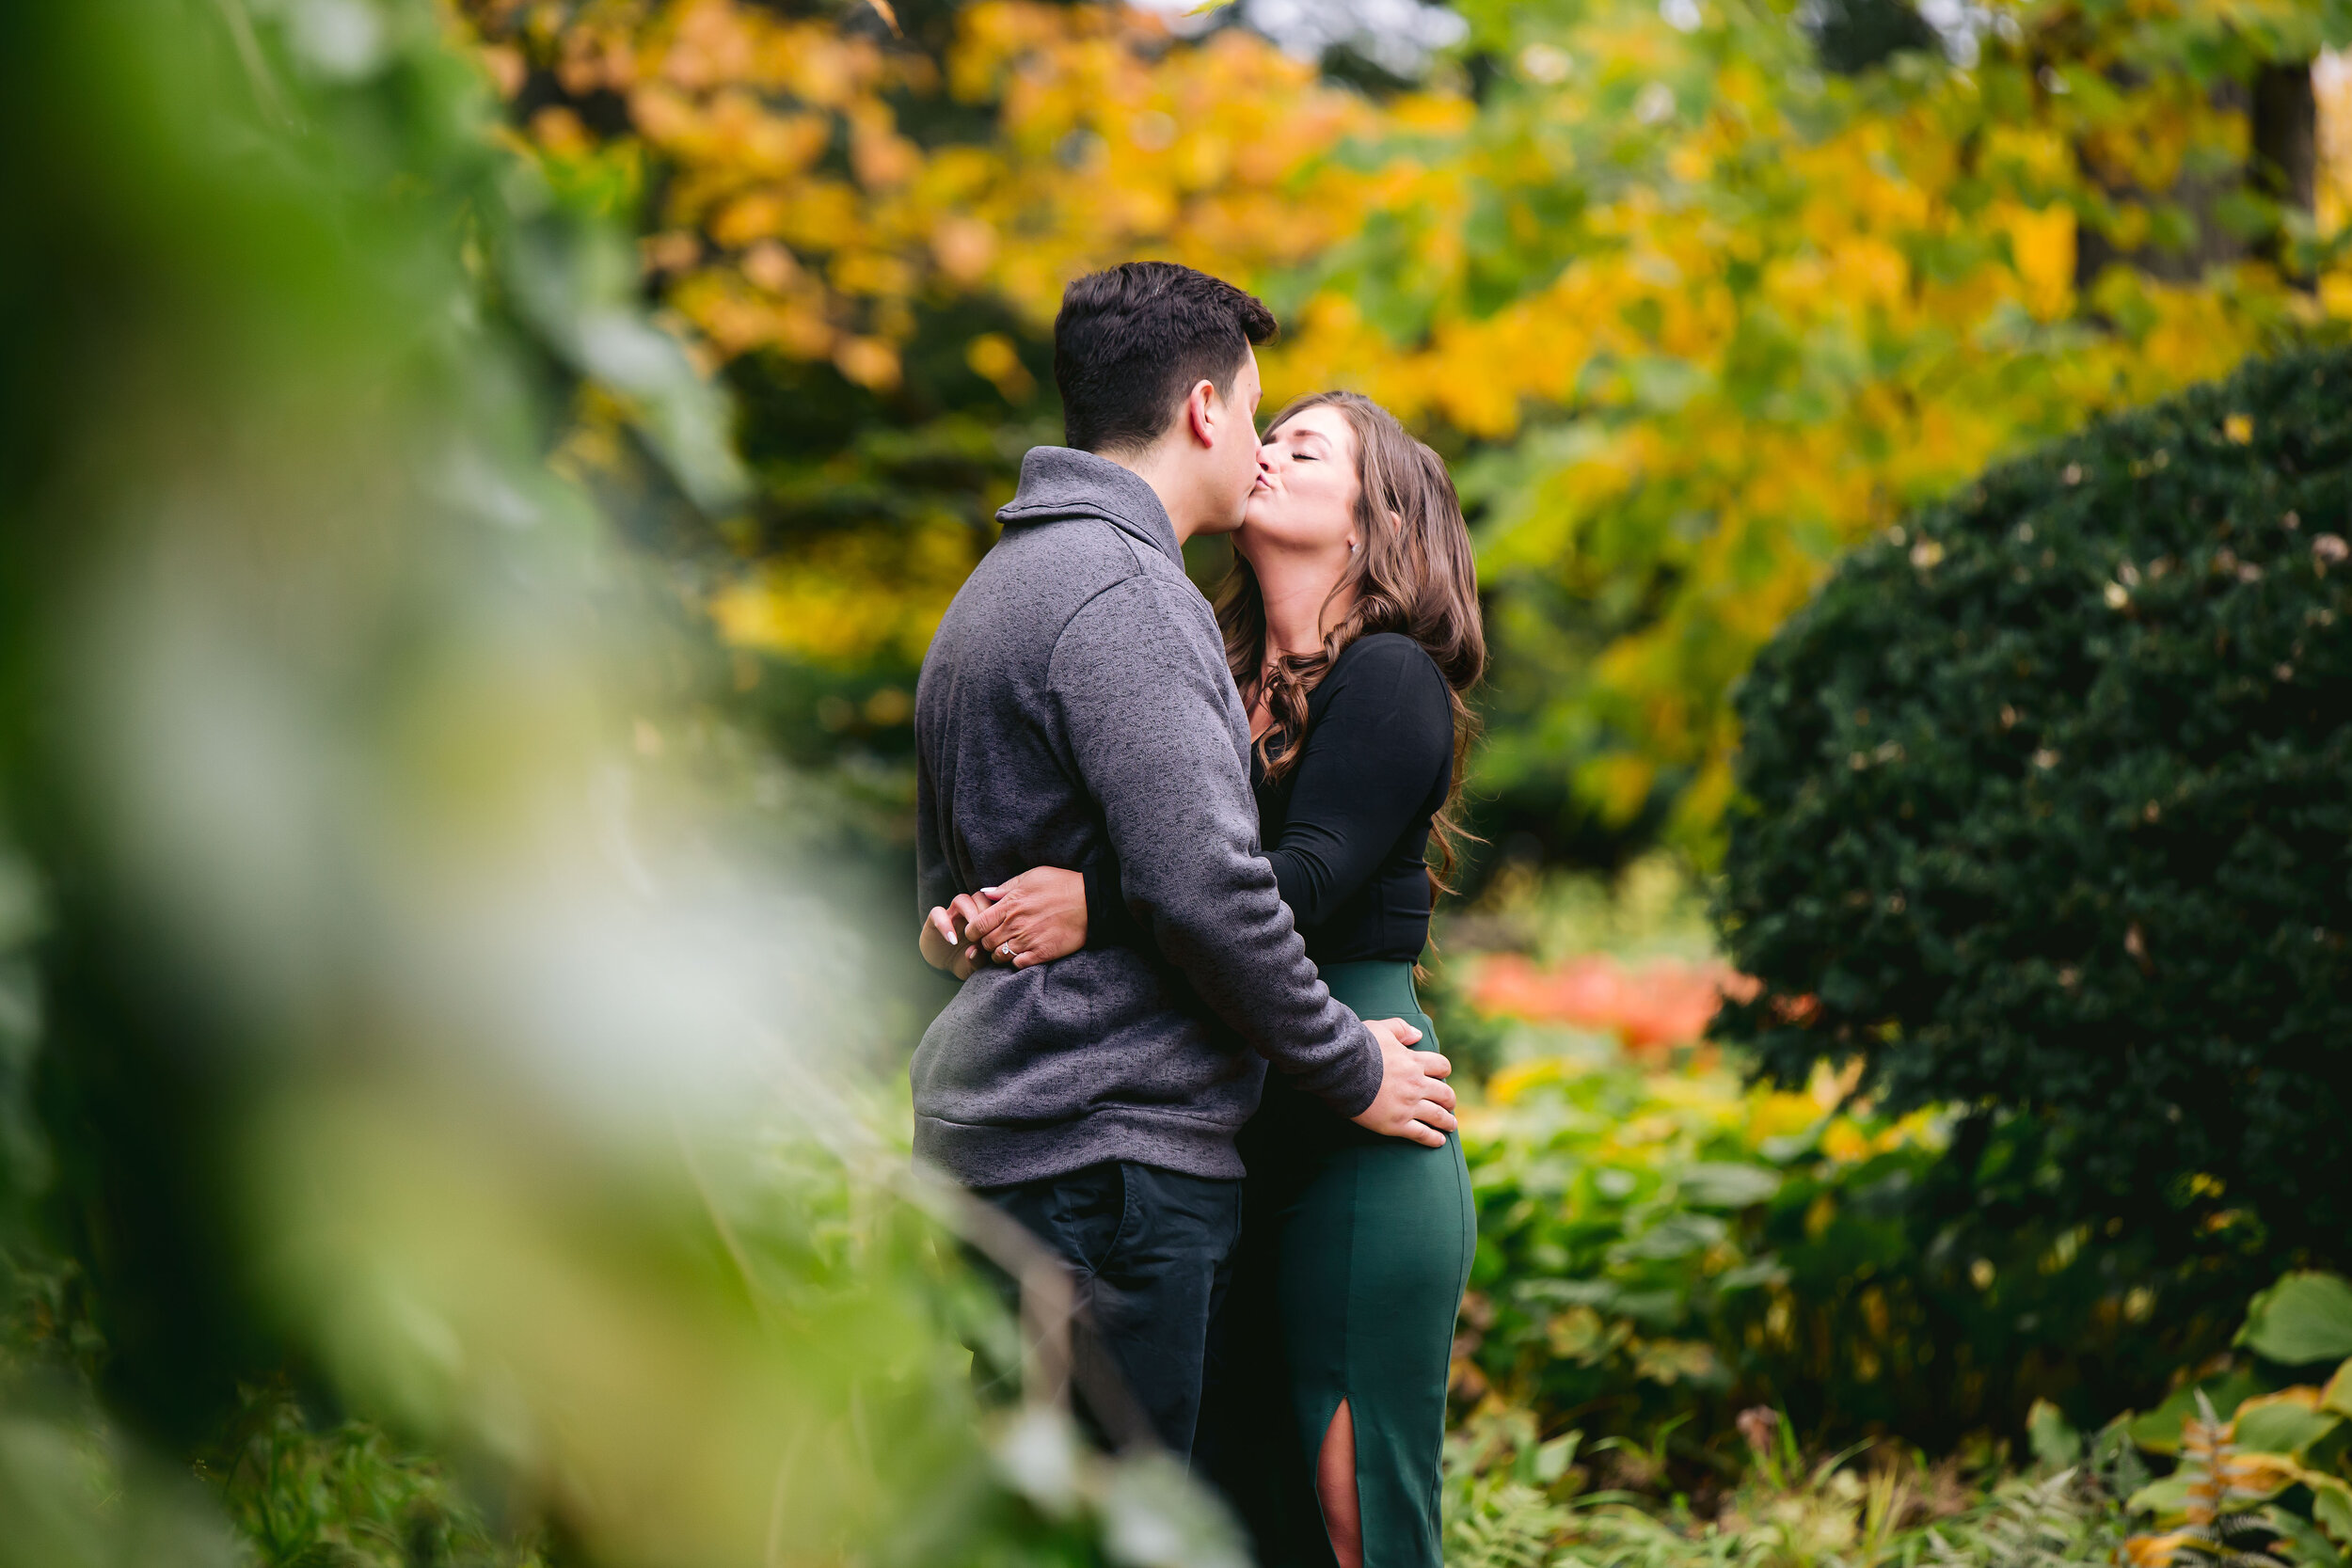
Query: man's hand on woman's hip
[(1415, 1102)]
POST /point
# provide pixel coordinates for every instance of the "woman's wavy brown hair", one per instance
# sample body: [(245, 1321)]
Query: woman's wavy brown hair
[(1412, 573)]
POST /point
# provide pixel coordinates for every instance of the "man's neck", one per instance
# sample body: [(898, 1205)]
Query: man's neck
[(1155, 467)]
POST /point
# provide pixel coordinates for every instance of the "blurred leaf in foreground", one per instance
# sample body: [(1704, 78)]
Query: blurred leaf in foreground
[(434, 988)]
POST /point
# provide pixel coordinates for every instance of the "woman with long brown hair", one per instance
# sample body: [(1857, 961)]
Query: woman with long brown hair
[(1352, 629)]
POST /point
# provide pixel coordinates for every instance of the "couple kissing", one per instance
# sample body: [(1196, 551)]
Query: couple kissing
[(1167, 847)]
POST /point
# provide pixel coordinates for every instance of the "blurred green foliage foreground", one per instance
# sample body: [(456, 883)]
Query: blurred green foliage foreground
[(404, 979)]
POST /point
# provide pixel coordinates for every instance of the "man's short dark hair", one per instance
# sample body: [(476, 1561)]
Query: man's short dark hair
[(1130, 343)]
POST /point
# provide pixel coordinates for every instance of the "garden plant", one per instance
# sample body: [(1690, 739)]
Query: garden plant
[(2045, 814)]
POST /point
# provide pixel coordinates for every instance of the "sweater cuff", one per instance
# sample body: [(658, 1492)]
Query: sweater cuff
[(1354, 1100), (1347, 1085)]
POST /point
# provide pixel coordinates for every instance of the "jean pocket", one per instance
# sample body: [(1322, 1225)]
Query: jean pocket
[(1095, 1214), (1170, 1214)]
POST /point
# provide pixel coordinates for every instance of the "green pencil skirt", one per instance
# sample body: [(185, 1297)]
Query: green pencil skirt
[(1355, 1251)]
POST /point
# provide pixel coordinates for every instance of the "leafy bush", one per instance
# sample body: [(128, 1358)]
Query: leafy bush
[(344, 1495), (2262, 1457), (2266, 1485), (1660, 1249), (2047, 811), (1515, 1502)]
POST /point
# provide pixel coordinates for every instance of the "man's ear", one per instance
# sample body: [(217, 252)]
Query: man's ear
[(1202, 412)]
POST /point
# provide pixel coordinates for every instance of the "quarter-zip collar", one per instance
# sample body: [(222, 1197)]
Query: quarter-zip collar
[(1062, 482)]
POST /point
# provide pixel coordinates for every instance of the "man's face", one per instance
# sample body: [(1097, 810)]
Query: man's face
[(1234, 456)]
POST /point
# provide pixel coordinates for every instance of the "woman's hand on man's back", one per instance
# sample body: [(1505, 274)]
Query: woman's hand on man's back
[(1035, 918), (944, 939)]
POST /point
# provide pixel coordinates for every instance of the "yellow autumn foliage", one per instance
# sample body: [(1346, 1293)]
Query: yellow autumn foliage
[(1694, 315)]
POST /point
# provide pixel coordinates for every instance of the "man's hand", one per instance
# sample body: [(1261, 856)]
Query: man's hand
[(944, 938), (1414, 1102), (1035, 918)]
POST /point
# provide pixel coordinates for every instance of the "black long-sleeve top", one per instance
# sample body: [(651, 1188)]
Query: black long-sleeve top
[(1347, 829)]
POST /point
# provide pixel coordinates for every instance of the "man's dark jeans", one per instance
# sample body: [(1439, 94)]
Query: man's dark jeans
[(1148, 1252)]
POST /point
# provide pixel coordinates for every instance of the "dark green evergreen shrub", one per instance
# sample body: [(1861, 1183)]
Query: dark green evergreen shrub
[(1852, 35), (2047, 813)]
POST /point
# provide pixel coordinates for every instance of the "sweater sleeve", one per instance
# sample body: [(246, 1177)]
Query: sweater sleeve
[(1154, 727), (1366, 770), (934, 877)]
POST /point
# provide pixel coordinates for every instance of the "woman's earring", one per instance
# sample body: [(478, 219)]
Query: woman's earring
[(1351, 547)]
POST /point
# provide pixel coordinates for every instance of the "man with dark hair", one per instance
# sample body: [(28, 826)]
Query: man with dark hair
[(1076, 708), (1129, 342)]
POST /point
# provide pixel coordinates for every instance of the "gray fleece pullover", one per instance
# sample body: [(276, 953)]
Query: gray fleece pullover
[(1076, 701)]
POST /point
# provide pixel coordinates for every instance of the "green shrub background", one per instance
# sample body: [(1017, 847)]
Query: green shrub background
[(1661, 1249), (2046, 812)]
